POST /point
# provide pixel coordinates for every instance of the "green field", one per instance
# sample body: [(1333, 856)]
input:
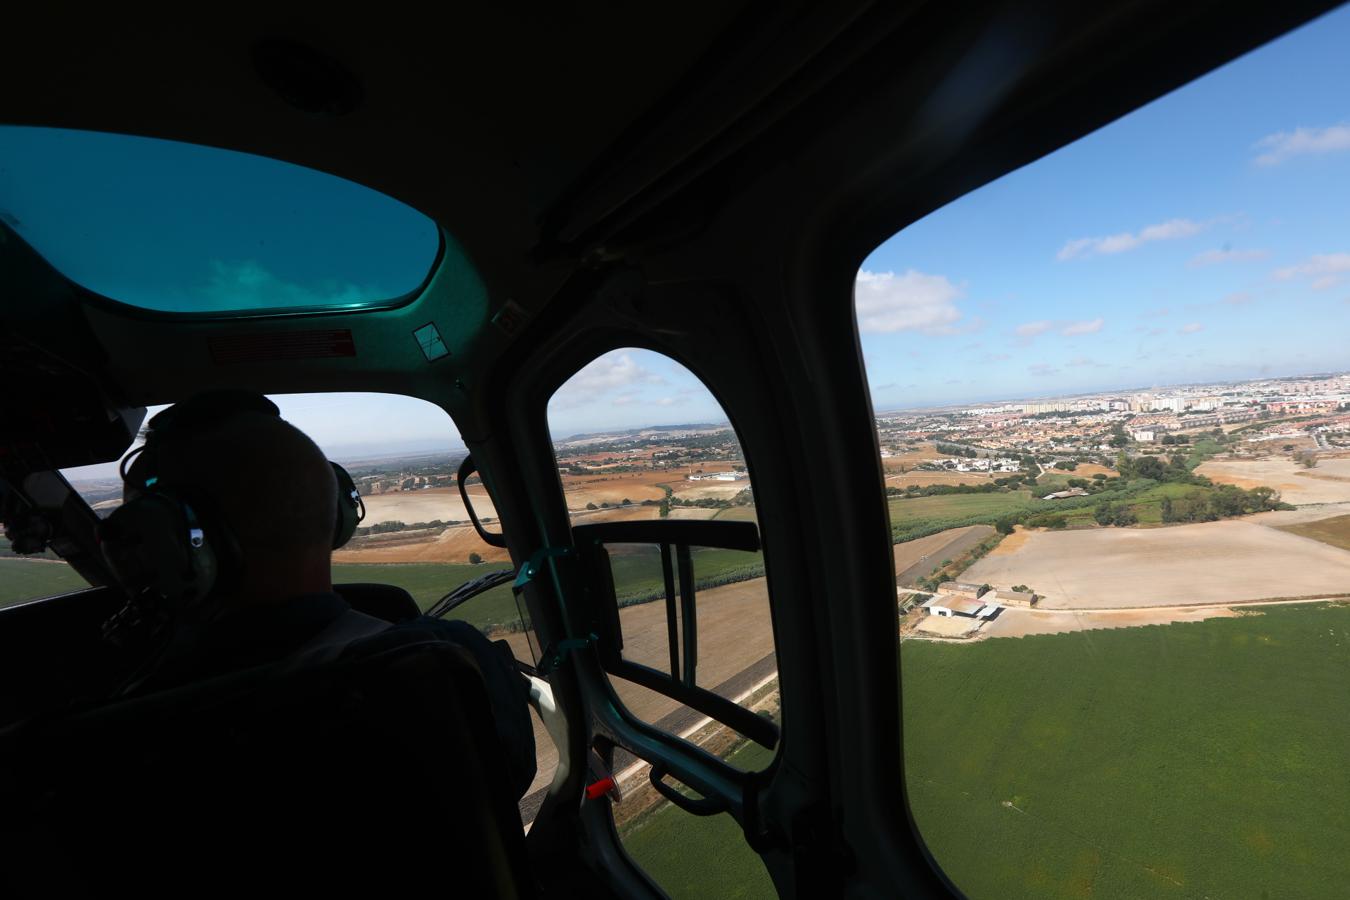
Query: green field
[(31, 579), (916, 517), (23, 579), (692, 856), (638, 575), (956, 506), (1187, 760)]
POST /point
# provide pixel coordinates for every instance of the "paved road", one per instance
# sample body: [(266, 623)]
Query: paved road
[(951, 550)]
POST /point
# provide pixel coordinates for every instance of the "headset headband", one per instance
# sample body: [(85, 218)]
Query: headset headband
[(209, 408)]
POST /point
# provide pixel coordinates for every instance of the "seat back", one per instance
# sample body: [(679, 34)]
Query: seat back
[(383, 601), (379, 771)]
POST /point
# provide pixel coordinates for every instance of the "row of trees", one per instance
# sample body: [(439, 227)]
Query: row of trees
[(956, 450), (395, 525), (1221, 501)]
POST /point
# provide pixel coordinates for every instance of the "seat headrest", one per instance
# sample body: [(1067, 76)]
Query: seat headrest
[(383, 601)]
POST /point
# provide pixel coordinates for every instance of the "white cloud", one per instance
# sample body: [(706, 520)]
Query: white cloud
[(1190, 328), (912, 301), (1214, 257), (1285, 145), (1326, 270), (1079, 361), (1240, 298), (1031, 329), (1086, 327), (1042, 369), (1172, 229), (614, 371)]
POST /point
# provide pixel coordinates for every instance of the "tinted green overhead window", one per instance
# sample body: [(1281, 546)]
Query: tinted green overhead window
[(184, 228)]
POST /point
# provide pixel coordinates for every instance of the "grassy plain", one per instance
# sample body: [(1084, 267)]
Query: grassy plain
[(907, 511), (691, 856), (913, 517), (26, 579), (1334, 531), (31, 579), (1186, 760), (638, 574)]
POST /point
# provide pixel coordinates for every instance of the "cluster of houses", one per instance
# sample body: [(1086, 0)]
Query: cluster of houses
[(736, 475), (977, 464), (960, 609)]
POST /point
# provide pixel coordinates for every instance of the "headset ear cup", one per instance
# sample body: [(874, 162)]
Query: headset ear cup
[(154, 542), (350, 509)]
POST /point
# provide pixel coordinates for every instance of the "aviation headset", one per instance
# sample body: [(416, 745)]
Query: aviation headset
[(169, 540)]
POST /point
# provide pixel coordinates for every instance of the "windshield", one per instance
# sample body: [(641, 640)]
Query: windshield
[(182, 228)]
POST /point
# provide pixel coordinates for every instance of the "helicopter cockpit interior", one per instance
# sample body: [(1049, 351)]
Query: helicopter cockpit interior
[(509, 195)]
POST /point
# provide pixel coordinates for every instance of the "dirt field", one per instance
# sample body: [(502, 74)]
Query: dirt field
[(615, 514), (947, 626), (597, 489), (1087, 470), (1012, 542), (646, 485), (1211, 562), (452, 545), (696, 513), (734, 632), (1328, 482), (708, 490), (912, 456), (425, 506)]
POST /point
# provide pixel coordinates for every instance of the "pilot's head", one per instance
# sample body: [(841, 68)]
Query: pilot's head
[(257, 475)]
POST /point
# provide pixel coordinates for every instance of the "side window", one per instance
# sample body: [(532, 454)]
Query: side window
[(656, 481), (1112, 408), (32, 577)]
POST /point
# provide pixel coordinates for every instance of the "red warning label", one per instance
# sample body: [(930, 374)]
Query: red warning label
[(282, 345)]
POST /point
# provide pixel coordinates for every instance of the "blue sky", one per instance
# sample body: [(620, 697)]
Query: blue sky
[(1204, 237)]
